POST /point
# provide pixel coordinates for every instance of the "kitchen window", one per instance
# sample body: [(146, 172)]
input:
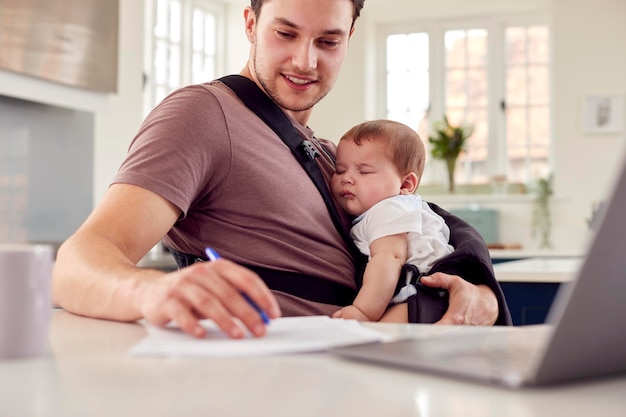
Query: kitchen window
[(184, 45), (492, 74)]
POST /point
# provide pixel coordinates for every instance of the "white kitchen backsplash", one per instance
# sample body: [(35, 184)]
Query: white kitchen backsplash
[(46, 170)]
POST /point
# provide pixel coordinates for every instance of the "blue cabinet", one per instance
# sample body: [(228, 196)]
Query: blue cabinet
[(529, 302)]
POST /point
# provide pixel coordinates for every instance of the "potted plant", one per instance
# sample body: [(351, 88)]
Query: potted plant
[(447, 144), (542, 218)]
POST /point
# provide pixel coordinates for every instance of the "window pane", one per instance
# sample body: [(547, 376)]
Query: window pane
[(516, 87), (528, 102), (209, 69), (538, 85), (455, 48), (517, 151), (174, 65), (175, 23), (468, 56), (516, 131), (408, 92), (466, 97), (477, 87), (210, 34), (204, 45), (456, 82), (196, 66), (539, 131), (455, 116), (408, 88), (160, 62), (474, 160), (407, 52), (184, 42), (538, 43), (537, 169), (477, 47), (161, 93), (198, 30), (161, 20), (515, 40), (479, 140)]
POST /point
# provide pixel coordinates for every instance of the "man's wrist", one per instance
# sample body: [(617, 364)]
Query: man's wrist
[(489, 303)]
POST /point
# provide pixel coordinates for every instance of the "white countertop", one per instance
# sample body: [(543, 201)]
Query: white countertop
[(532, 253), (545, 269), (89, 372)]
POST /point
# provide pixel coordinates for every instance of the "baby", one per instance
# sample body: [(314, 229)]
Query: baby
[(379, 167)]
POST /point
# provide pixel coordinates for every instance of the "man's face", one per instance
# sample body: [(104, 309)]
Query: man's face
[(298, 48)]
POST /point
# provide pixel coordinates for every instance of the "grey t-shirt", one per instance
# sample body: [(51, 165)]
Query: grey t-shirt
[(239, 188)]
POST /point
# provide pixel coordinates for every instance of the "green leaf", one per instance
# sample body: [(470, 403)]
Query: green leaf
[(448, 141)]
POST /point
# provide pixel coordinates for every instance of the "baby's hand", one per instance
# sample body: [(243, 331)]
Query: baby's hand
[(351, 312)]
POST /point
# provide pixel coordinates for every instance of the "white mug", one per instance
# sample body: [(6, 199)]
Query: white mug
[(25, 303)]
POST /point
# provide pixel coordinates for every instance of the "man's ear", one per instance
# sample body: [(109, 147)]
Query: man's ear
[(409, 183), (250, 19)]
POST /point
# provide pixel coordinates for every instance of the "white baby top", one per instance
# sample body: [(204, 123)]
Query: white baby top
[(428, 234)]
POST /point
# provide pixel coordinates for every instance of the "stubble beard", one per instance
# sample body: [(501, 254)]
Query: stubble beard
[(271, 89)]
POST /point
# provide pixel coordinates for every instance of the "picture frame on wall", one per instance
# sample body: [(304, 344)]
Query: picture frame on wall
[(604, 114)]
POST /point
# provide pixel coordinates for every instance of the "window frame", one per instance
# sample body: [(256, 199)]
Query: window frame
[(496, 88), (218, 8)]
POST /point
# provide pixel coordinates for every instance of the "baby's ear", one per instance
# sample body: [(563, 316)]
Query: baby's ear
[(409, 183)]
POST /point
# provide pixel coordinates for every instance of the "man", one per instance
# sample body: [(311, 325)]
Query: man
[(206, 172)]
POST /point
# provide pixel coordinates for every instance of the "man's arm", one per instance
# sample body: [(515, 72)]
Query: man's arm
[(482, 303), (95, 273)]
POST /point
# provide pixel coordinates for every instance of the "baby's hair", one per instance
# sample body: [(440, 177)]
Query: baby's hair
[(404, 146)]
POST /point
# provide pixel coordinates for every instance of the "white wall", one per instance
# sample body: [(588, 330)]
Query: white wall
[(118, 124), (587, 59), (587, 42), (237, 46)]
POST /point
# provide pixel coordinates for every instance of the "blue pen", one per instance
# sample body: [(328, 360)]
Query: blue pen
[(213, 256)]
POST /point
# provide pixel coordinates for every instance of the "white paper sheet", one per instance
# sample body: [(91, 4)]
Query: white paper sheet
[(284, 335)]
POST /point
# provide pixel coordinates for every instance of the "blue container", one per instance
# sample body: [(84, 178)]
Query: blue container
[(485, 220)]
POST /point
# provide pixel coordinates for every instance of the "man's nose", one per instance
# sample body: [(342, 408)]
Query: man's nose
[(305, 57)]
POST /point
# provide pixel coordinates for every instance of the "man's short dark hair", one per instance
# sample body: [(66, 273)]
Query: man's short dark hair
[(357, 4)]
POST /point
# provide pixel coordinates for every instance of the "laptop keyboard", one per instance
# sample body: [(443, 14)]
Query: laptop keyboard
[(507, 352)]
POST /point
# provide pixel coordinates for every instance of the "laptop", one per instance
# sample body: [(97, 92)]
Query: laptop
[(585, 334)]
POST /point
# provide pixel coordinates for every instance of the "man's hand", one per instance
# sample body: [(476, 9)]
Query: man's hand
[(469, 303), (208, 290)]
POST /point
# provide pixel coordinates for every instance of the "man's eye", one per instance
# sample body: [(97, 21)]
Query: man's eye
[(329, 43), (285, 35)]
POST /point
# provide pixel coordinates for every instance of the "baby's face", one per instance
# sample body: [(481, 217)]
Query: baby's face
[(364, 175)]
